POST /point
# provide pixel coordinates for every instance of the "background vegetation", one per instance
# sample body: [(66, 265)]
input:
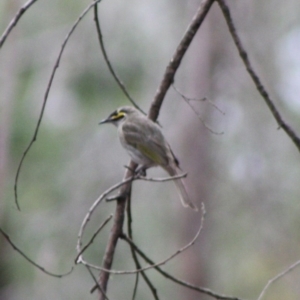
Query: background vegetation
[(248, 177)]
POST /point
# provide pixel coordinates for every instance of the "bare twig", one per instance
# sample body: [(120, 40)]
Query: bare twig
[(203, 290), (47, 94), (6, 236), (14, 21), (135, 258), (94, 206), (277, 277), (175, 61), (97, 284), (163, 179), (179, 251), (87, 217), (187, 100), (77, 259), (116, 230), (152, 114), (108, 63), (259, 86)]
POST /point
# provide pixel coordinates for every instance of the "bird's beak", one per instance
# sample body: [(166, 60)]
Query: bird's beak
[(107, 120)]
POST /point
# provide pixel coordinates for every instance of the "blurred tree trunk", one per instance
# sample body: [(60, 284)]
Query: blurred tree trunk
[(198, 151)]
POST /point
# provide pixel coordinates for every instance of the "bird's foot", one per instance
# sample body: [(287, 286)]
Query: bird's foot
[(141, 171)]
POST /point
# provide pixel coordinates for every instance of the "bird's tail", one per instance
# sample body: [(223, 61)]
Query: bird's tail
[(184, 197)]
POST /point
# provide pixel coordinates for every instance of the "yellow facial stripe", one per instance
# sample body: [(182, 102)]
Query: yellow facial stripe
[(118, 115)]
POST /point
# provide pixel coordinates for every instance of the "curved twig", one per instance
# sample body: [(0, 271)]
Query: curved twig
[(92, 239), (186, 284), (108, 63), (14, 21), (6, 236), (46, 96), (92, 209), (181, 250)]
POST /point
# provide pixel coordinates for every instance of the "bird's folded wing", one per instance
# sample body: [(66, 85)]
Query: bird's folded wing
[(148, 140)]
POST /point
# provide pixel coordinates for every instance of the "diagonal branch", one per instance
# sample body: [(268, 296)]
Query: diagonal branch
[(203, 290), (116, 230), (108, 63), (277, 277), (151, 266), (259, 86), (6, 236), (175, 61), (167, 80), (46, 96), (136, 259), (14, 21)]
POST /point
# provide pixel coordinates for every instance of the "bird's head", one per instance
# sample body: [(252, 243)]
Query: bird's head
[(120, 115)]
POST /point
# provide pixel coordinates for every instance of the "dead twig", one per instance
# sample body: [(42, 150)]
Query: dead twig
[(167, 80), (179, 251), (259, 86), (171, 69), (6, 236), (277, 277), (14, 21), (67, 37), (77, 259), (108, 63)]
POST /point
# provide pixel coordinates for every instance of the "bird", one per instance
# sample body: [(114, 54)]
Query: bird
[(147, 146)]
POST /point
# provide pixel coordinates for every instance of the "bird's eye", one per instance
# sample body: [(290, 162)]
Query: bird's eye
[(118, 115)]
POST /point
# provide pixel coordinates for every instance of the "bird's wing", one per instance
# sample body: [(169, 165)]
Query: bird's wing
[(148, 140)]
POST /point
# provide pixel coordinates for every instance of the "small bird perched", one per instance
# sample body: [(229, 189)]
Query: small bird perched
[(146, 145)]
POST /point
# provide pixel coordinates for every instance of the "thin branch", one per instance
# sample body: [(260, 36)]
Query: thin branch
[(195, 99), (277, 277), (46, 96), (179, 251), (187, 100), (163, 179), (175, 61), (203, 290), (97, 284), (6, 236), (135, 258), (14, 21), (259, 86), (93, 207), (92, 239), (116, 229), (108, 63), (153, 114)]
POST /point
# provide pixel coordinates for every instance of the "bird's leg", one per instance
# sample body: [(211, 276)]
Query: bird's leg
[(127, 167), (141, 171)]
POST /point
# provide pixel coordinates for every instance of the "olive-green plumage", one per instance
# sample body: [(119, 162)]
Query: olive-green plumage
[(146, 145)]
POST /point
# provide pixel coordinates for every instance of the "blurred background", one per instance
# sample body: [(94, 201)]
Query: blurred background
[(245, 170)]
